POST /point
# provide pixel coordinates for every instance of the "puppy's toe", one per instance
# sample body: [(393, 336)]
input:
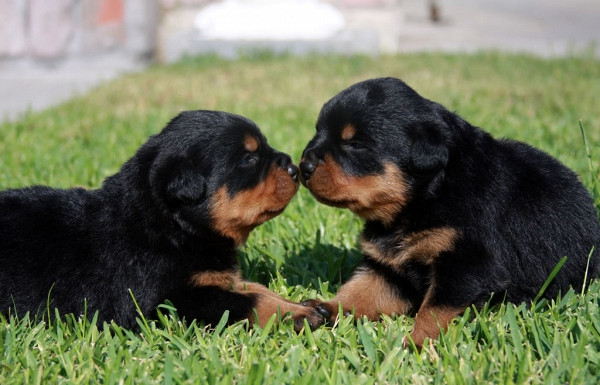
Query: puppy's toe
[(311, 315), (325, 309)]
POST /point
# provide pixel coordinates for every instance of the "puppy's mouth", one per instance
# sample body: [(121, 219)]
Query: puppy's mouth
[(353, 205), (272, 213), (333, 202)]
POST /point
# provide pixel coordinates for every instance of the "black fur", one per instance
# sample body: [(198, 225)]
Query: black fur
[(148, 229)]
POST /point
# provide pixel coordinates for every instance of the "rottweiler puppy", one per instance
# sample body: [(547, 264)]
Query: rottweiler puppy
[(453, 217), (166, 226)]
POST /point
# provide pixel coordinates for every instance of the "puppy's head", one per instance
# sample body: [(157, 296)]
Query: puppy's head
[(378, 145), (214, 170)]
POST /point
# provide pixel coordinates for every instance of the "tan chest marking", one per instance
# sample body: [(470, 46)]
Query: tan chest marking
[(424, 246)]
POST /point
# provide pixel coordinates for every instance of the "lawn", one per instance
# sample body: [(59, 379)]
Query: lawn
[(310, 249)]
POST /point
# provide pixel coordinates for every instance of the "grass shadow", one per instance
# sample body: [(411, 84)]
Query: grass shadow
[(308, 266)]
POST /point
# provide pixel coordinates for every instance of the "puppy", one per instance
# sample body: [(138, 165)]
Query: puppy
[(166, 227), (453, 216)]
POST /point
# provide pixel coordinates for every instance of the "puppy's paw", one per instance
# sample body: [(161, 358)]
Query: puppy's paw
[(311, 315), (329, 310)]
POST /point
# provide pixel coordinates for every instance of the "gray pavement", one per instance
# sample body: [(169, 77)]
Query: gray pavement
[(28, 86), (541, 27)]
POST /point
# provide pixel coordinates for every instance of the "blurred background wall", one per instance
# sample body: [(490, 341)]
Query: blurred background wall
[(51, 31)]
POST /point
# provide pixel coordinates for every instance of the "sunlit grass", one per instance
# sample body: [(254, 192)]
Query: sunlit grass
[(310, 249)]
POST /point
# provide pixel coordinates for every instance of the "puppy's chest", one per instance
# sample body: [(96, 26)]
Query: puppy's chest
[(396, 249)]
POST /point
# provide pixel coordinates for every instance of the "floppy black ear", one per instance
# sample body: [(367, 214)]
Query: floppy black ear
[(428, 154), (185, 185), (428, 157)]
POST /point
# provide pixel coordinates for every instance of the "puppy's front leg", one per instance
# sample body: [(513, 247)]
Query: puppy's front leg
[(366, 294), (432, 317), (269, 303), (211, 293)]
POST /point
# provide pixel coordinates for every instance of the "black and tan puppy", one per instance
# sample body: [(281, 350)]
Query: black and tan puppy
[(452, 214), (166, 226)]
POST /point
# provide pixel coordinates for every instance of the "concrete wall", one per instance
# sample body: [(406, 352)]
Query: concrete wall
[(56, 30)]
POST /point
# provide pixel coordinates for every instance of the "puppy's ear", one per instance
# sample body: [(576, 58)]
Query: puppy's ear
[(185, 185), (428, 156)]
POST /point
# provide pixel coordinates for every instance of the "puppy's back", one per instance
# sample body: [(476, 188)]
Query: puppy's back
[(539, 213), (41, 232)]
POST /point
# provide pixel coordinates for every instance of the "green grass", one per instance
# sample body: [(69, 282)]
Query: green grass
[(310, 249)]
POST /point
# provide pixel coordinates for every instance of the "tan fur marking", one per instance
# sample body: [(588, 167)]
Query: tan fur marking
[(428, 322), (253, 287), (250, 143), (424, 246), (370, 249), (430, 319), (235, 217), (269, 303), (348, 132), (225, 280), (368, 294), (373, 197)]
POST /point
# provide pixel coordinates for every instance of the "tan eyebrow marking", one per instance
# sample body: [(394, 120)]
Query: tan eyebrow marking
[(348, 132), (250, 143)]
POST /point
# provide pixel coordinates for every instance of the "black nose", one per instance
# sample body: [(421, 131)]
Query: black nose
[(284, 161), (292, 171), (309, 162), (307, 168)]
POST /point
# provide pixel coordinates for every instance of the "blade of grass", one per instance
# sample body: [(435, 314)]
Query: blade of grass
[(550, 278)]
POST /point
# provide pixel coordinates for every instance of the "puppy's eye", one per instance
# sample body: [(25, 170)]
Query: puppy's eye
[(250, 159), (355, 145)]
